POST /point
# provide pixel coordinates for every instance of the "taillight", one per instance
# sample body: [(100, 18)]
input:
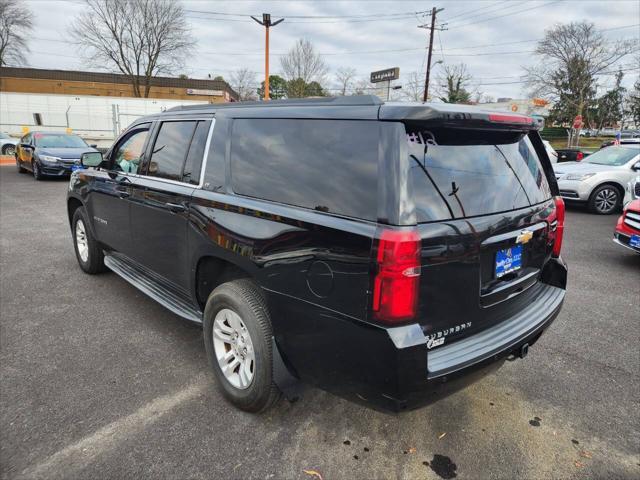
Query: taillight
[(395, 286), (557, 243), (579, 156), (506, 118)]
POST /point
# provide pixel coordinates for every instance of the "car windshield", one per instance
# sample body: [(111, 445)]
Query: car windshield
[(52, 140), (612, 156), (4, 135)]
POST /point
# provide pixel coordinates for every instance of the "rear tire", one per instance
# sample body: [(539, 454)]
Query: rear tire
[(88, 253), (605, 199), (9, 149), (235, 310)]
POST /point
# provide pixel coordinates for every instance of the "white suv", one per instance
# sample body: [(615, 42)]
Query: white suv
[(600, 179)]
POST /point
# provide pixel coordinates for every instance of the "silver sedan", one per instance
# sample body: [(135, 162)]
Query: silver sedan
[(600, 179)]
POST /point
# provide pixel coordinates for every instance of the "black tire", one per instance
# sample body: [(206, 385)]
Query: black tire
[(21, 169), (9, 149), (37, 173), (605, 199), (94, 262), (245, 299)]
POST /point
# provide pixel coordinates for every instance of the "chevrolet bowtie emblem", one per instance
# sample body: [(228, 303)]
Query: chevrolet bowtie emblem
[(524, 237)]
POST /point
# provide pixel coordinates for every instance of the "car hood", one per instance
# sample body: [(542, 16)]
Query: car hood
[(581, 167), (65, 152)]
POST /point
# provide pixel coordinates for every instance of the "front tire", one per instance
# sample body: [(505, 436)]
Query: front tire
[(37, 173), (605, 200), (237, 337), (88, 253)]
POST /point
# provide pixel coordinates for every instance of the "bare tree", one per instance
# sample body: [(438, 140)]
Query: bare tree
[(140, 38), (454, 84), (15, 26), (302, 62), (363, 87), (571, 56), (413, 87), (345, 76), (244, 82)]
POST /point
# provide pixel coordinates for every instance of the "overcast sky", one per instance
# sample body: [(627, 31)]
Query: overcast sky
[(494, 38)]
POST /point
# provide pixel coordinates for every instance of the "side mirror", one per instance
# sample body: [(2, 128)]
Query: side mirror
[(636, 167), (91, 159)]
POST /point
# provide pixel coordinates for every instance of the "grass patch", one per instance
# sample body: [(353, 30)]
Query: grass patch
[(587, 143)]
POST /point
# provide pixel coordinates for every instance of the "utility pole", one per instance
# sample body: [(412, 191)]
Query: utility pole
[(266, 23), (434, 11)]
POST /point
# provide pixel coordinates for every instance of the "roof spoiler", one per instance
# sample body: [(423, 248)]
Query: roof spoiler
[(459, 116)]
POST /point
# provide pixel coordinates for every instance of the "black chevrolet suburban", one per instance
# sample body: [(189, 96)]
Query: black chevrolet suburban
[(390, 253)]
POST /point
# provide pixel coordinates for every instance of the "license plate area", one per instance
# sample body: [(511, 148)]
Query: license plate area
[(508, 260), (634, 241)]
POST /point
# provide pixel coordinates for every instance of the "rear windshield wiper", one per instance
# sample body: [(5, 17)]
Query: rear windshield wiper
[(424, 169)]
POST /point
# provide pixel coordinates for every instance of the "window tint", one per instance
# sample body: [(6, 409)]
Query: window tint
[(458, 181), (128, 154), (170, 150), (327, 165), (193, 164)]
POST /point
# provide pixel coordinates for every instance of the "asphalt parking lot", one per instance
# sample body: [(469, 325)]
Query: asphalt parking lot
[(98, 381)]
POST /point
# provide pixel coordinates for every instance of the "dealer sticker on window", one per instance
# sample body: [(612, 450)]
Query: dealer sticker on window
[(508, 260)]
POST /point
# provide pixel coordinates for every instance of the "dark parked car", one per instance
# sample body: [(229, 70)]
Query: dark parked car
[(50, 154), (571, 155), (389, 253)]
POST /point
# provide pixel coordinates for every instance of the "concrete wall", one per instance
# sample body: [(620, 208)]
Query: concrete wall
[(96, 119)]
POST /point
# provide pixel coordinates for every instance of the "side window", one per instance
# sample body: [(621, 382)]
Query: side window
[(170, 149), (26, 139), (193, 164), (127, 156), (325, 165)]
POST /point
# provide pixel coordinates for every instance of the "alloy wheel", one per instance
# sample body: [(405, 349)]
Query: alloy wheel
[(233, 348), (10, 150), (81, 241), (606, 199)]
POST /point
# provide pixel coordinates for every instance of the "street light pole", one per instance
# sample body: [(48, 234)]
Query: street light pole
[(266, 23)]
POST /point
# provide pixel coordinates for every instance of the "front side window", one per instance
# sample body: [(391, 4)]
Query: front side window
[(128, 154), (325, 165), (170, 149)]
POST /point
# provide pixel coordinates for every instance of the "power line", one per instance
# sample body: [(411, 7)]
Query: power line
[(487, 9), (506, 14)]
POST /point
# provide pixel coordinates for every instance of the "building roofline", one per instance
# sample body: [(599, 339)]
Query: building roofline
[(115, 78)]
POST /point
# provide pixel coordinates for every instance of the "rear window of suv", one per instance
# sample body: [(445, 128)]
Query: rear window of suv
[(325, 165), (461, 178)]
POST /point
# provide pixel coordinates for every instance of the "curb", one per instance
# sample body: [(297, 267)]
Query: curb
[(7, 160)]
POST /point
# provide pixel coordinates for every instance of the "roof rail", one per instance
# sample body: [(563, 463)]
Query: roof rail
[(350, 101)]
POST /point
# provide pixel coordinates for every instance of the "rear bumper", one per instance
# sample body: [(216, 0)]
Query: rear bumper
[(393, 369)]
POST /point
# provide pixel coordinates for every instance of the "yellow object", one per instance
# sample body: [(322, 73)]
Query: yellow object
[(69, 131), (25, 130)]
